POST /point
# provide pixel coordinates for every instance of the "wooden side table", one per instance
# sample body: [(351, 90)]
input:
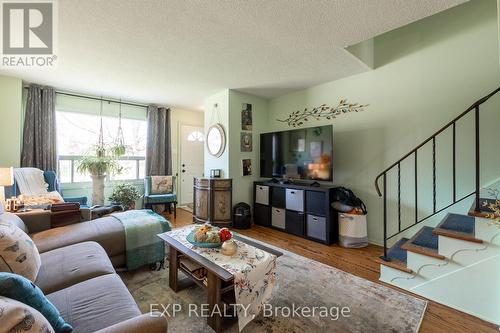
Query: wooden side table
[(213, 201), (36, 219)]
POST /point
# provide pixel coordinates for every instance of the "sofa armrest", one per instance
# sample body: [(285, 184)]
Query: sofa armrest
[(148, 322)]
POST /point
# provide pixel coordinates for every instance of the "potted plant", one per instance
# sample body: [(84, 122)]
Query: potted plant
[(98, 166), (125, 195)]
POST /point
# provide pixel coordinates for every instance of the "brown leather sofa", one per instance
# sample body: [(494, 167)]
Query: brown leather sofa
[(78, 277)]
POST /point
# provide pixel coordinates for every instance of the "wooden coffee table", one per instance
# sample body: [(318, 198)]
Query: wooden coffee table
[(219, 280)]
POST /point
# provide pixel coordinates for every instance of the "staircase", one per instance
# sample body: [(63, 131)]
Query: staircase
[(456, 262)]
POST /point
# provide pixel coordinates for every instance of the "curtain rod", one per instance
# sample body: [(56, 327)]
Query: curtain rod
[(98, 99)]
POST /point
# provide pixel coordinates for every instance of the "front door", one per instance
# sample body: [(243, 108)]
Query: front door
[(191, 160)]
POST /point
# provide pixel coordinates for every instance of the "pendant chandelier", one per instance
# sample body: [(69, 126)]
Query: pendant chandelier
[(119, 146), (101, 150)]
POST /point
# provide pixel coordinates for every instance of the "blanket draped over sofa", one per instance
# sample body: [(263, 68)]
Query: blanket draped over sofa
[(142, 245)]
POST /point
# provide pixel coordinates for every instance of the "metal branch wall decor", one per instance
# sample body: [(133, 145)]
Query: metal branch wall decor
[(298, 118)]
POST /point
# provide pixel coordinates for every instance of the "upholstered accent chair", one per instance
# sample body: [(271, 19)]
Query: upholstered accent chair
[(152, 198), (54, 185)]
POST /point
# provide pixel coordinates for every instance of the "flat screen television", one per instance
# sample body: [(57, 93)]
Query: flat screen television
[(304, 153)]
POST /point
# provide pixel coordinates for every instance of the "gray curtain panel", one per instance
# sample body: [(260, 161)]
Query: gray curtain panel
[(39, 136), (159, 144)]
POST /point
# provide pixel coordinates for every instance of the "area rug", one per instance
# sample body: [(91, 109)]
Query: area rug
[(302, 283)]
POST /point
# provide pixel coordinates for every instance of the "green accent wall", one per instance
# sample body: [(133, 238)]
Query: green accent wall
[(228, 113), (10, 121), (242, 185), (425, 74)]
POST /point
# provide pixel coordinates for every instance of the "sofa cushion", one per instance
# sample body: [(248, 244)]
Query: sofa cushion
[(23, 290), (18, 317), (107, 231), (14, 219), (18, 253), (72, 264), (161, 198), (95, 304)]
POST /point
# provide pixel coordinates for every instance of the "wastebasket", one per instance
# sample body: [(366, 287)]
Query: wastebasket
[(352, 230), (242, 218)]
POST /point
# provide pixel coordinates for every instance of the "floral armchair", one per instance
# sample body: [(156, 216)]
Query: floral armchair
[(154, 195)]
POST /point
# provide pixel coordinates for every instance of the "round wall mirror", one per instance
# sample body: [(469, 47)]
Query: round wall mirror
[(216, 140)]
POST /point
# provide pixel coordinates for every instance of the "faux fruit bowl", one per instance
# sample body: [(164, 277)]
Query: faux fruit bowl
[(190, 239)]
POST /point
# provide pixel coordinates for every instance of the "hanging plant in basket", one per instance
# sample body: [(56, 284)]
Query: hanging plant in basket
[(323, 111)]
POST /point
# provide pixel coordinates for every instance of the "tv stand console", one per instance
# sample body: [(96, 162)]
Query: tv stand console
[(299, 209)]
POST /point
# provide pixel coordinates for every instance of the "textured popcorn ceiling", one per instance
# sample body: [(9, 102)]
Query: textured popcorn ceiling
[(178, 52)]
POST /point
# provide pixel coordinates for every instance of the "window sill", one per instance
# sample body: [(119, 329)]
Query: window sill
[(88, 185)]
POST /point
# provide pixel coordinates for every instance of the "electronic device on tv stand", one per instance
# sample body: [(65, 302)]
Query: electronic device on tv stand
[(304, 154)]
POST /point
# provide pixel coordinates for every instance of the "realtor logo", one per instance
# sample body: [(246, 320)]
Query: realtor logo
[(28, 29)]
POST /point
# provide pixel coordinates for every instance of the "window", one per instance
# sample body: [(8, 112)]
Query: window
[(77, 135), (195, 136)]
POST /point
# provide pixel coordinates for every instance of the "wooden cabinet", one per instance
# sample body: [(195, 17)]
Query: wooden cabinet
[(212, 198)]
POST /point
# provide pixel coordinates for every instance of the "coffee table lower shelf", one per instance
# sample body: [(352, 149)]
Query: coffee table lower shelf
[(220, 282)]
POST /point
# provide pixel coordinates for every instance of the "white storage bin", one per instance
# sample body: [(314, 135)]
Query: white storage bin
[(295, 200), (278, 218), (352, 230), (262, 194)]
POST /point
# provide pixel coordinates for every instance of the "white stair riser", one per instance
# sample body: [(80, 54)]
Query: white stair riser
[(466, 253), (485, 230), (399, 278), (473, 289), (428, 267)]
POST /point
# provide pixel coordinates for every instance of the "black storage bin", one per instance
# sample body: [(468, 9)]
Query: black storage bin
[(295, 223), (315, 203), (262, 215), (278, 197), (242, 218)]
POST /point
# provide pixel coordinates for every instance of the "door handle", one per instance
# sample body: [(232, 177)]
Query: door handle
[(183, 170)]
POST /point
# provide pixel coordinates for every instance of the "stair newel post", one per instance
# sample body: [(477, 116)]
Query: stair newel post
[(478, 176), (384, 257)]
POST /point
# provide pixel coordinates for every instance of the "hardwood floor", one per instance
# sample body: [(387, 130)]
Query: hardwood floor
[(361, 262)]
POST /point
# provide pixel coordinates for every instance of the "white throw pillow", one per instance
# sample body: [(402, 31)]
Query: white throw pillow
[(18, 253), (19, 317)]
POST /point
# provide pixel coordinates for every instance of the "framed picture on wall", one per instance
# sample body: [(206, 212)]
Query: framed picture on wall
[(247, 167), (246, 141), (246, 117)]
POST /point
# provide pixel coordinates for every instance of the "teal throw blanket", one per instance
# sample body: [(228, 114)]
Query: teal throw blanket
[(142, 244)]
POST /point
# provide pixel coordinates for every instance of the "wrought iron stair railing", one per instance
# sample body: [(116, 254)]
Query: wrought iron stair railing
[(414, 153)]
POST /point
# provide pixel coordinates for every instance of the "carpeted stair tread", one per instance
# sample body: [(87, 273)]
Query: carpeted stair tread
[(460, 223), (397, 257), (459, 227), (396, 252), (484, 210), (425, 238), (424, 242)]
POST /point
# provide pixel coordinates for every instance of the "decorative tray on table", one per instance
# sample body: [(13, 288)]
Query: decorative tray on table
[(208, 236)]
